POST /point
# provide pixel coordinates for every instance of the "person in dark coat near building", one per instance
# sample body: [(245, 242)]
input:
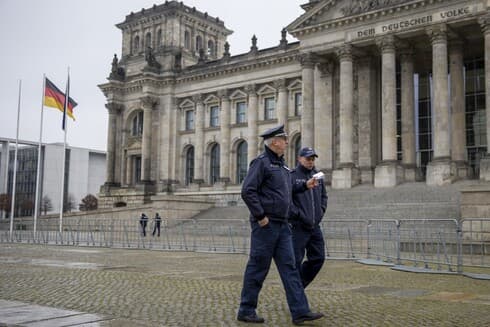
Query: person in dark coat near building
[(156, 226), (306, 215), (143, 223), (267, 192)]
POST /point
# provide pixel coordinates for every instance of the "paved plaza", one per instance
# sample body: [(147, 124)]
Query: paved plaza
[(77, 286)]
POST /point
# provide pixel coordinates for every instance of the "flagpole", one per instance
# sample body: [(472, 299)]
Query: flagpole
[(15, 167), (38, 175), (64, 125)]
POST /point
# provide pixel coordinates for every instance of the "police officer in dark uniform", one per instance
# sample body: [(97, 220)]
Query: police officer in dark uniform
[(306, 214), (156, 227), (267, 191), (143, 223)]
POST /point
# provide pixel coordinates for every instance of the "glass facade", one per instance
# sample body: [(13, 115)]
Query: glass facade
[(476, 133), (25, 183)]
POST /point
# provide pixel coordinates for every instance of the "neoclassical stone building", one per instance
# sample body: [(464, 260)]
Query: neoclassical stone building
[(387, 91)]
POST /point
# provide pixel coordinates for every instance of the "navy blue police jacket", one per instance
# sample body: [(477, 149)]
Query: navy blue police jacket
[(308, 207), (267, 188)]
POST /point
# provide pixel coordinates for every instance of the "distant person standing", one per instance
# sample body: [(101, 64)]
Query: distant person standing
[(158, 222), (306, 214), (267, 190), (143, 223)]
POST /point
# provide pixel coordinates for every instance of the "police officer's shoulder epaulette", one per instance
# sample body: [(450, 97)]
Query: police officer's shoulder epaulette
[(292, 170), (261, 156)]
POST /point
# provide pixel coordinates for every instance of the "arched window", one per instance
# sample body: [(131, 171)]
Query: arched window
[(189, 166), (210, 48), (159, 37), (137, 124), (136, 43), (187, 40), (214, 164), (198, 43), (241, 161), (148, 40), (297, 147)]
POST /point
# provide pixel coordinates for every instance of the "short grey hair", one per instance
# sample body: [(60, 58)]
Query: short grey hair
[(268, 141)]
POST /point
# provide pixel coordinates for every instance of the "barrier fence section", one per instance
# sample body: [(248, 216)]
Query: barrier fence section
[(441, 245)]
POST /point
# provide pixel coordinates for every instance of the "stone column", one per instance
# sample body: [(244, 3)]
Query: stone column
[(113, 109), (439, 169), (167, 134), (458, 133), (408, 115), (225, 137), (323, 113), (388, 173), (199, 147), (252, 122), (147, 103), (485, 162), (282, 103), (129, 170), (308, 91), (346, 175), (367, 118)]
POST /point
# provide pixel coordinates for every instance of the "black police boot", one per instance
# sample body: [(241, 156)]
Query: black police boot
[(251, 318), (307, 317)]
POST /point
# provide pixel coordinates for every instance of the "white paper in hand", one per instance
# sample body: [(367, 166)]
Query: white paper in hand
[(319, 175)]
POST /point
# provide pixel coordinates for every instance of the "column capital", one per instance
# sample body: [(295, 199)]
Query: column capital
[(456, 45), (198, 98), (251, 89), (148, 101), (484, 22), (280, 84), (307, 60), (437, 33), (344, 52), (113, 108), (386, 44), (406, 53)]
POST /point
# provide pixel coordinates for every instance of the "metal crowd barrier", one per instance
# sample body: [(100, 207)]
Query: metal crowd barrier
[(436, 245)]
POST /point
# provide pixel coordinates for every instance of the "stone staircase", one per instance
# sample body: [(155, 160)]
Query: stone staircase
[(406, 201)]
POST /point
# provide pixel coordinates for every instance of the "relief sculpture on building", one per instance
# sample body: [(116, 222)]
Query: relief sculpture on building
[(355, 7)]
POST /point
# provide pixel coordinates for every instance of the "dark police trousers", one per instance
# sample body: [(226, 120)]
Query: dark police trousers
[(312, 241), (272, 241)]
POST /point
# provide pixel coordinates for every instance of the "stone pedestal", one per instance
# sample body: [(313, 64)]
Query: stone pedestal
[(412, 173), (440, 172), (461, 169), (475, 211), (346, 177), (485, 169), (388, 174), (367, 175)]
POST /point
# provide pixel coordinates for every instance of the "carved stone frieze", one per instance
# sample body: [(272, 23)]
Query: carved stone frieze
[(354, 7)]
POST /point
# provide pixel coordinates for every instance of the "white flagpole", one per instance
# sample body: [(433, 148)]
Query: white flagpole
[(65, 125), (38, 175), (15, 167)]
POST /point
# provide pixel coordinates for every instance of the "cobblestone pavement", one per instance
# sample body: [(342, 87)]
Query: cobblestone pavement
[(157, 288)]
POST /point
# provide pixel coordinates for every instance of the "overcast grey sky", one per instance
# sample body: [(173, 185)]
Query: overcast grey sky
[(47, 36)]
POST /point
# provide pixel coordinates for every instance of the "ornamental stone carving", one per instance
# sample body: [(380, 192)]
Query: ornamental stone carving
[(280, 84), (484, 22), (326, 68), (386, 43), (148, 101), (113, 108), (198, 98), (344, 52), (354, 7), (307, 60), (438, 34), (251, 89), (224, 94)]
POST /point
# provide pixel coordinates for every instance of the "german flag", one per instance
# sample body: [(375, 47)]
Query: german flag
[(54, 98)]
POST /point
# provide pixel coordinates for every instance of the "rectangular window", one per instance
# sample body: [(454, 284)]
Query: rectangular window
[(214, 116), (241, 116), (189, 120), (269, 108), (298, 104)]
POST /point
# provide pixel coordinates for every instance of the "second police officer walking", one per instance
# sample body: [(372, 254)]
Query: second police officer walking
[(143, 224), (306, 214), (156, 226), (267, 192)]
